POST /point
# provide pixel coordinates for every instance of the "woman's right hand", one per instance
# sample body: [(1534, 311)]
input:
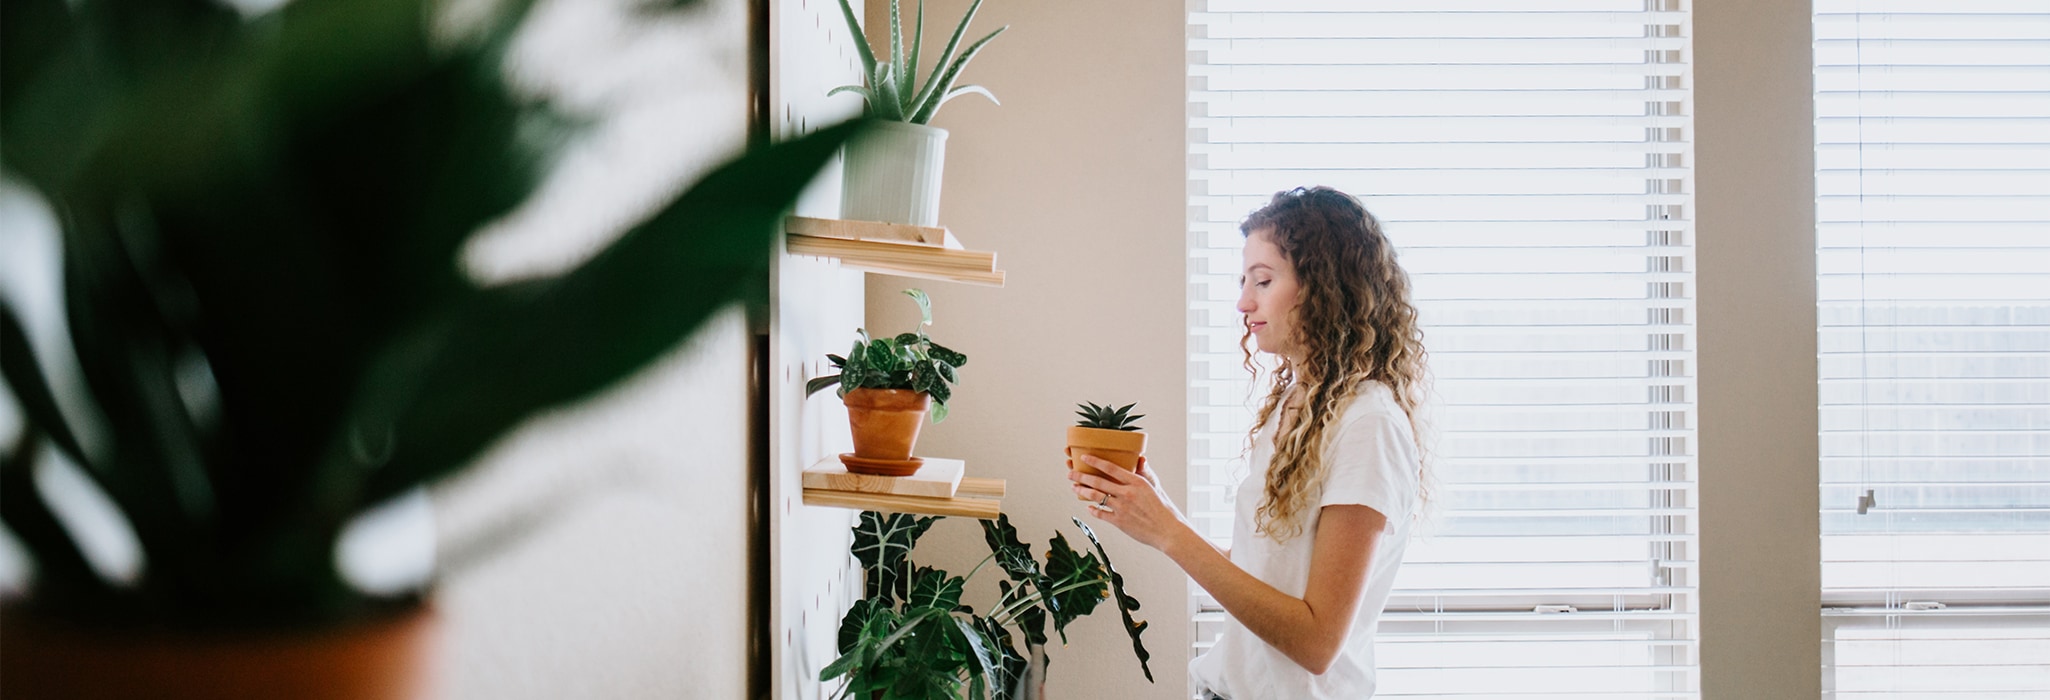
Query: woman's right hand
[(1133, 502)]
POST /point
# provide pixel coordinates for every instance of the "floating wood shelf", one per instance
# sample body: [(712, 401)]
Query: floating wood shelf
[(939, 488), (928, 252)]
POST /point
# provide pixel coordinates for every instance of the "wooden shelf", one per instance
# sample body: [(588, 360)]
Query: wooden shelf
[(827, 483), (927, 252)]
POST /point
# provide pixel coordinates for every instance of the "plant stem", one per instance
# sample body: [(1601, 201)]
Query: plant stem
[(978, 567), (1004, 616)]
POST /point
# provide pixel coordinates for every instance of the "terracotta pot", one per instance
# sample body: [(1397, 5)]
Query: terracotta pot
[(384, 659), (886, 421), (1120, 447)]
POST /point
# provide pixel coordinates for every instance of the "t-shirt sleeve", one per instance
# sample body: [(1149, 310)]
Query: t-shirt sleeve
[(1373, 463)]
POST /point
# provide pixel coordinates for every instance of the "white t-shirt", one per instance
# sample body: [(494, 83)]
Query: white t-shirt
[(1373, 462)]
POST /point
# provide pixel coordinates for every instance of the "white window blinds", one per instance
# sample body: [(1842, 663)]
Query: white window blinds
[(1933, 222), (1530, 160)]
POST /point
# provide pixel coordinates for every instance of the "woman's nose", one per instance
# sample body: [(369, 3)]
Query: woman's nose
[(1245, 305)]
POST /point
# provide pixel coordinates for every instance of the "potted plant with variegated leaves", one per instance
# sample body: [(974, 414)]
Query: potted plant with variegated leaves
[(889, 385)]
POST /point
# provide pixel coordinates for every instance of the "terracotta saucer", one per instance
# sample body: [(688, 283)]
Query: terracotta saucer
[(881, 467)]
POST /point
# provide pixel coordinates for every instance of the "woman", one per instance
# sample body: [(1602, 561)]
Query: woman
[(1336, 469)]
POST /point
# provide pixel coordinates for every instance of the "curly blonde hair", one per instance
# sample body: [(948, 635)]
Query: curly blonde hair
[(1354, 322)]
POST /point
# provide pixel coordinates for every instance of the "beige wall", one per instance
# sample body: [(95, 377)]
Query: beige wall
[(1077, 182), (1755, 247)]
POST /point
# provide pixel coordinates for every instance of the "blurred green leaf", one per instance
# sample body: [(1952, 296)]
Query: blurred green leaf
[(261, 219), (568, 337)]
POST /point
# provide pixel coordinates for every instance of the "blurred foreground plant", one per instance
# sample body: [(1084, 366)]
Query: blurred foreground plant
[(261, 219)]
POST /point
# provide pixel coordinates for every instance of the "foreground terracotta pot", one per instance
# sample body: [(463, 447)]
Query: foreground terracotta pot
[(886, 421), (1120, 447), (384, 659)]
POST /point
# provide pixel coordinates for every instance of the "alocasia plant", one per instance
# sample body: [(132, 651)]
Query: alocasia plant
[(910, 636)]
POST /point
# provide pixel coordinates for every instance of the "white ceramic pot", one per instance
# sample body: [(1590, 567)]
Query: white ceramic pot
[(893, 174)]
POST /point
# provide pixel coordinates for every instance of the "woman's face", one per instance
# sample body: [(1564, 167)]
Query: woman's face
[(1268, 292)]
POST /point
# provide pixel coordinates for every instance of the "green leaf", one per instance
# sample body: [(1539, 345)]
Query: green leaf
[(1030, 618), (818, 384), (1126, 603), (888, 105), (25, 382), (859, 39), (1016, 560), (945, 82), (1006, 666), (909, 86), (897, 56), (156, 471), (569, 337), (1012, 555), (868, 97), (839, 667), (943, 354), (33, 34), (924, 306), (62, 571), (967, 90), (868, 619), (946, 54), (883, 544), (933, 589), (1065, 569)]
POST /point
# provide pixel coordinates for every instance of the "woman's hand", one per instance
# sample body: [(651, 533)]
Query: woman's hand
[(1132, 501)]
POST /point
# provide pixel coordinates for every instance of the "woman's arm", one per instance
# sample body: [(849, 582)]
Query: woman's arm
[(1310, 630)]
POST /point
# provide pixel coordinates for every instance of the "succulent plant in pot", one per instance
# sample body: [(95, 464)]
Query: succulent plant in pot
[(1110, 434), (893, 171), (266, 330), (889, 386)]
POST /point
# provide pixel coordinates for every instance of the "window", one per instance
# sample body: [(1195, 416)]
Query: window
[(1530, 160), (1933, 226)]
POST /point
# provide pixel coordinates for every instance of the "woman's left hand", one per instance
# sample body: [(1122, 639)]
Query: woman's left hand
[(1131, 501)]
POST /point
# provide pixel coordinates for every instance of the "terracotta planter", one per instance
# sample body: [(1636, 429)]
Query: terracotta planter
[(1120, 447), (886, 422), (385, 659)]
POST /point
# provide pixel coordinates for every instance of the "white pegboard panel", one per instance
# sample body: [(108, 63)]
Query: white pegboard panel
[(816, 306)]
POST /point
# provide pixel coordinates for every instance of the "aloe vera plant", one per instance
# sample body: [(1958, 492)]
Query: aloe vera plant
[(260, 220), (893, 92)]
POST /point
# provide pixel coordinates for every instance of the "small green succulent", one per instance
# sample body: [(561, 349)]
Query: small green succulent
[(1107, 418), (907, 361)]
